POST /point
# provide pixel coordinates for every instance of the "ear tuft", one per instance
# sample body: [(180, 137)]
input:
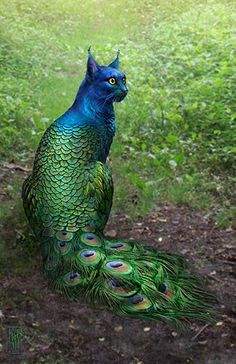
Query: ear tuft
[(92, 65), (115, 64)]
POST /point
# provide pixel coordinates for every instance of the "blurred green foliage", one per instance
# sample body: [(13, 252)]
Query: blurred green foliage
[(176, 131)]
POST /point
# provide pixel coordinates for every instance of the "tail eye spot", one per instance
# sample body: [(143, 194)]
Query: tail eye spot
[(163, 287), (137, 299), (116, 264), (74, 275), (88, 254), (117, 245)]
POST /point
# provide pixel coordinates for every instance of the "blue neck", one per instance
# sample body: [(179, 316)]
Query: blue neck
[(93, 105), (92, 109)]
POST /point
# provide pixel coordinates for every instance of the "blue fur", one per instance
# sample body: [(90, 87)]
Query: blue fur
[(94, 100)]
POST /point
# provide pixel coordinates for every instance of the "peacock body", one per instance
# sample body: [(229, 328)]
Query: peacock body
[(67, 200)]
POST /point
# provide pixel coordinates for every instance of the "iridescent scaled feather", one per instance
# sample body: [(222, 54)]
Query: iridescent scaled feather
[(67, 200)]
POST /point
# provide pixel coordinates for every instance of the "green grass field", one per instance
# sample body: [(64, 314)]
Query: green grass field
[(176, 134)]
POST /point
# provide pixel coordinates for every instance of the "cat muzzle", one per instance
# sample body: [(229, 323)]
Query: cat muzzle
[(122, 95)]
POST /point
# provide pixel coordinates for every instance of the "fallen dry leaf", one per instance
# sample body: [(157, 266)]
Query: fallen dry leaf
[(111, 233)]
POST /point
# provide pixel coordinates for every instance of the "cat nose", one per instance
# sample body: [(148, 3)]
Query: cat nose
[(125, 90)]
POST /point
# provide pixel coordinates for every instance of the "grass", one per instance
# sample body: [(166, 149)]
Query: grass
[(176, 130)]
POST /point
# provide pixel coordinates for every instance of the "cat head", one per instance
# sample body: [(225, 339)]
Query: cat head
[(107, 81)]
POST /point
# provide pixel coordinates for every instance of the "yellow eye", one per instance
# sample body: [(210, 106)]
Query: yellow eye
[(112, 80), (124, 80)]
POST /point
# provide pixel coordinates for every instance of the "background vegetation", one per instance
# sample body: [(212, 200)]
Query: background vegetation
[(175, 132), (174, 154)]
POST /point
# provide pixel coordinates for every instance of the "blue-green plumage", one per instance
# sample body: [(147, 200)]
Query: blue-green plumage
[(67, 200)]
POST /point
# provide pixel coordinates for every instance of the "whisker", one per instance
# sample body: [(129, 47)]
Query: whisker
[(107, 98)]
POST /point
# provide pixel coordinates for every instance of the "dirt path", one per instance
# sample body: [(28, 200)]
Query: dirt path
[(60, 331)]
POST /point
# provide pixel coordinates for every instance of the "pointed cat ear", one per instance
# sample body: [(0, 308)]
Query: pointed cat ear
[(116, 62), (92, 65)]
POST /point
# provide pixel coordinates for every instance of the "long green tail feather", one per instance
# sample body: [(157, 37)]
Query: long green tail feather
[(128, 278)]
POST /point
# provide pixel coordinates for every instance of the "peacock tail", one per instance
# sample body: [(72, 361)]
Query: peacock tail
[(68, 199)]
